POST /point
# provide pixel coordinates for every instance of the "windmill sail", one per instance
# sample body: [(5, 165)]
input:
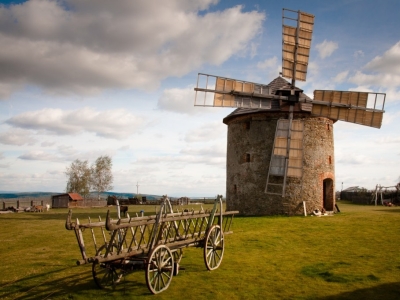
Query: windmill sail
[(296, 43), (355, 107), (217, 91)]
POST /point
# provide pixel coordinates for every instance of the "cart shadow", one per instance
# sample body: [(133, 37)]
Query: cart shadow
[(39, 286)]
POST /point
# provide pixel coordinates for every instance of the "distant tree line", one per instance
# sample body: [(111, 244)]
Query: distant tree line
[(83, 178)]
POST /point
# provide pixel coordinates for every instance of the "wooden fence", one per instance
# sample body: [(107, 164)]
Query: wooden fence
[(92, 202), (24, 202)]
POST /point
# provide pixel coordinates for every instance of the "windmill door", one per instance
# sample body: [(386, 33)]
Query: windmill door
[(328, 194)]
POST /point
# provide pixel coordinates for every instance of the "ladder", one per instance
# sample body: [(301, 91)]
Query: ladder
[(287, 155)]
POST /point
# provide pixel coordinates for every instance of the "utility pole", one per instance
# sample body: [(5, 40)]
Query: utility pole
[(137, 188)]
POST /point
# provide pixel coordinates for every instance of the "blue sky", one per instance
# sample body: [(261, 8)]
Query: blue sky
[(80, 79)]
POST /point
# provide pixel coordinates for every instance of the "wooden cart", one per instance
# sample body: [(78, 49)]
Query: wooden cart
[(151, 243)]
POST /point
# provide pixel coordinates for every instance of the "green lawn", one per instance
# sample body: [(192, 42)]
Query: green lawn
[(351, 255)]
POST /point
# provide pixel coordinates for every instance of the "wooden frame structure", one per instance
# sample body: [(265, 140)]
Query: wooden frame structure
[(151, 243)]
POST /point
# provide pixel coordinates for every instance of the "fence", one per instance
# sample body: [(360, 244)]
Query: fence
[(91, 202), (24, 202), (365, 197)]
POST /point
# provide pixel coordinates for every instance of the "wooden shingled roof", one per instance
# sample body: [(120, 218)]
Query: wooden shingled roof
[(275, 85)]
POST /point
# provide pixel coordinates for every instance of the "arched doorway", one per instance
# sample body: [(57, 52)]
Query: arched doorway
[(328, 200)]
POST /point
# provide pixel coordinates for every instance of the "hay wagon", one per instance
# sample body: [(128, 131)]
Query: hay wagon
[(151, 243)]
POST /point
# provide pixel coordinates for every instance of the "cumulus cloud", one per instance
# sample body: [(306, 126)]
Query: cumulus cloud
[(383, 71), (116, 124), (341, 77), (207, 132), (84, 47), (389, 62), (47, 144), (217, 150), (358, 53), (39, 155), (17, 137), (326, 48), (353, 159), (206, 156), (178, 100), (268, 63)]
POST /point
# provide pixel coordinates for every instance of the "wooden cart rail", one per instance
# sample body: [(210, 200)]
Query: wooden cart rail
[(131, 236), (113, 245)]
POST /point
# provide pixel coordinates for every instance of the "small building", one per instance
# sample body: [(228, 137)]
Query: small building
[(354, 189), (66, 200)]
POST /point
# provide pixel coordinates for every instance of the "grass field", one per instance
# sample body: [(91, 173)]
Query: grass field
[(351, 255)]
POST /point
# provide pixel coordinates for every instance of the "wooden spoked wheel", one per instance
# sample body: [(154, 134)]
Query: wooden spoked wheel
[(178, 255), (106, 275), (160, 268), (214, 247), (177, 259)]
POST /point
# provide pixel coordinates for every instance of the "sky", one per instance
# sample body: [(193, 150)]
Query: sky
[(84, 78)]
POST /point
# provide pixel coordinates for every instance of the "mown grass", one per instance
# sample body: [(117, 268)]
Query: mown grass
[(352, 255)]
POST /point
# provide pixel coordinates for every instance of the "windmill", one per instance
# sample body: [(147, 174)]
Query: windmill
[(286, 159)]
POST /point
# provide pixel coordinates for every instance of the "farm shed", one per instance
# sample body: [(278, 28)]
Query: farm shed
[(65, 200)]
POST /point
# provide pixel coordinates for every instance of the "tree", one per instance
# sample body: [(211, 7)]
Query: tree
[(101, 176), (79, 178)]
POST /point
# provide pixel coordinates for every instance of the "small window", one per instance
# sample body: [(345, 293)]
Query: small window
[(328, 127), (247, 157), (246, 125), (235, 188), (330, 159)]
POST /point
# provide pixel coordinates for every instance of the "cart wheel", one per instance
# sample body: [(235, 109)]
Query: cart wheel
[(178, 255), (159, 270), (213, 247), (105, 275), (102, 250), (177, 259)]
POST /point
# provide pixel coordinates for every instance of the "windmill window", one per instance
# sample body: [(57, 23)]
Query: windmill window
[(330, 159), (328, 127), (247, 125), (235, 188), (247, 157)]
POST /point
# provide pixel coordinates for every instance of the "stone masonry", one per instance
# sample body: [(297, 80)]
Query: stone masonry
[(249, 148)]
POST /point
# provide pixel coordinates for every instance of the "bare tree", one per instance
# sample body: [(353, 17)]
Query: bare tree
[(79, 178), (101, 176)]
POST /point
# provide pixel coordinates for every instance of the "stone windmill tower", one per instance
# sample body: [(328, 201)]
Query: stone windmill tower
[(280, 152)]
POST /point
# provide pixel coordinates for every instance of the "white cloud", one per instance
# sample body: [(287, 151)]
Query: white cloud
[(326, 48), (40, 155), (389, 139), (268, 63), (339, 78), (385, 71), (218, 150), (116, 124), (47, 144), (86, 47), (178, 100), (207, 132), (384, 80), (17, 137), (358, 53), (389, 62)]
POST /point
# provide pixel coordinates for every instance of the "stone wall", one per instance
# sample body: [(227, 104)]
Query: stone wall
[(250, 142)]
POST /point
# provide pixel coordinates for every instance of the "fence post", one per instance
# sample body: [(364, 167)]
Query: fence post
[(4, 205), (17, 203)]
